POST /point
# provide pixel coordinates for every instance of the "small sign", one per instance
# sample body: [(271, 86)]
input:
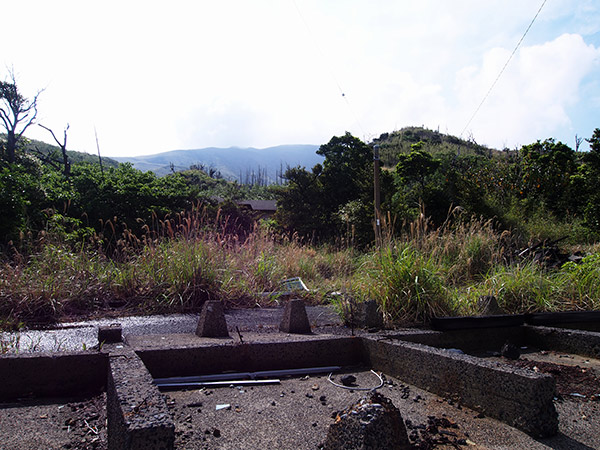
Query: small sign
[(294, 284)]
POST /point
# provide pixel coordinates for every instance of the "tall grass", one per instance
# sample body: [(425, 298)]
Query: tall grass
[(522, 288), (181, 261), (406, 283), (178, 263)]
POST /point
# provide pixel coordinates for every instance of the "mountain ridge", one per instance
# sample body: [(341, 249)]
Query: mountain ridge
[(232, 162)]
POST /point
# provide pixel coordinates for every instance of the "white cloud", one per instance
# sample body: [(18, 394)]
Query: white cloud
[(153, 76), (532, 97)]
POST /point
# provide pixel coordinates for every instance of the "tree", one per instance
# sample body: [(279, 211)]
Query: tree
[(17, 114), (416, 167), (547, 170), (591, 169), (299, 203), (593, 156), (347, 170)]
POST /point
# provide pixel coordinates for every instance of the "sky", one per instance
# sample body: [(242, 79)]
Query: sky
[(153, 76)]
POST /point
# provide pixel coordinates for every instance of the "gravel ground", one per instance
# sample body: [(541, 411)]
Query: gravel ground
[(294, 414), (297, 413), (54, 423)]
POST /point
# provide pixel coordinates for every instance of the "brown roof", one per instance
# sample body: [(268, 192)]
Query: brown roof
[(259, 205)]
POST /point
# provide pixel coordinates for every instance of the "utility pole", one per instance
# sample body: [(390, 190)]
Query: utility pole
[(376, 195)]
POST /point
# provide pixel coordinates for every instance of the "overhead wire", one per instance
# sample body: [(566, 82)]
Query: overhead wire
[(503, 69), (329, 68)]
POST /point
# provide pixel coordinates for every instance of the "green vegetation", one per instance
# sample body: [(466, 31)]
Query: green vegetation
[(78, 237)]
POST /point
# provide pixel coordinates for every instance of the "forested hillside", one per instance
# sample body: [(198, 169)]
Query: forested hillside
[(545, 189), (402, 141)]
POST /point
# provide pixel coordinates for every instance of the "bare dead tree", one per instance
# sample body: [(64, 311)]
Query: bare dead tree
[(17, 113), (578, 141), (99, 157), (63, 148), (46, 158)]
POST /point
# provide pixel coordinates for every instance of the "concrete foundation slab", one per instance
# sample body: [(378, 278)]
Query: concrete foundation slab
[(266, 355), (139, 417)]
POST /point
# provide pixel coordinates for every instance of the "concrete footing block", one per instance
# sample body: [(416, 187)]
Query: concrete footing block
[(110, 334), (212, 320), (366, 315), (294, 318), (488, 306), (137, 415)]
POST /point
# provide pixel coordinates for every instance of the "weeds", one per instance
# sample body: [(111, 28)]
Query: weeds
[(183, 260), (406, 284)]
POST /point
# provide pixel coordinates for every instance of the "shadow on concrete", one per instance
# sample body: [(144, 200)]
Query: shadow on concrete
[(564, 442)]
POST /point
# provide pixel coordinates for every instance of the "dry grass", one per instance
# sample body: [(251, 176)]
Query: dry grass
[(180, 262)]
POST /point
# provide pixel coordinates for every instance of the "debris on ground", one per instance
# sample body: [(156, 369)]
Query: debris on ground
[(584, 382)]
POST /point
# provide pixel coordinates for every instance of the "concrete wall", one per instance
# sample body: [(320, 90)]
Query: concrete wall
[(248, 357), (469, 340), (138, 418), (52, 374), (584, 343), (521, 398)]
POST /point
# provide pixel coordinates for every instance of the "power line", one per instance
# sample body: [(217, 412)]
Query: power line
[(502, 70)]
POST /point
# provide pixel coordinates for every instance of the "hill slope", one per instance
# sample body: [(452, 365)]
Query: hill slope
[(400, 142)]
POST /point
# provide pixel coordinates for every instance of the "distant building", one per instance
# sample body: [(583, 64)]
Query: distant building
[(264, 208)]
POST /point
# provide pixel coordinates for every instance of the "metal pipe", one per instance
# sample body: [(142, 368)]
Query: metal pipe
[(217, 383), (245, 375)]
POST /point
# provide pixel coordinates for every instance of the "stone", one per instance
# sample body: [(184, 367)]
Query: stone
[(294, 318), (348, 380), (510, 351), (372, 423), (212, 320)]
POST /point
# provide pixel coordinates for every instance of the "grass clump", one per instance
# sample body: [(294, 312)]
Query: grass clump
[(519, 288), (407, 284)]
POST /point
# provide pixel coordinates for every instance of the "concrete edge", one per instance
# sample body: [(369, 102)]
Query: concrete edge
[(518, 397), (137, 415), (231, 356), (52, 374), (475, 340), (579, 342)]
